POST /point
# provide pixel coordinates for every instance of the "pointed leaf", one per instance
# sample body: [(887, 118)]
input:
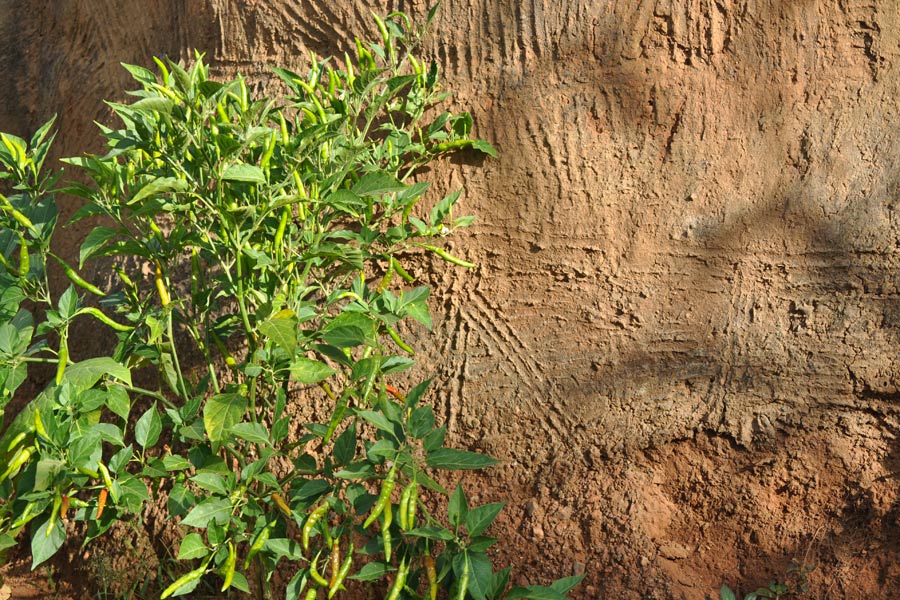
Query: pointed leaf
[(453, 459), (245, 173), (376, 184), (281, 328), (222, 412), (160, 185), (309, 371)]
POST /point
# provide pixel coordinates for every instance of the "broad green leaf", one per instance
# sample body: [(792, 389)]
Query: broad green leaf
[(453, 459), (345, 446), (148, 428), (192, 546), (458, 507), (421, 421), (118, 402), (377, 183), (139, 73), (83, 375), (252, 432), (44, 543), (309, 371), (442, 208), (211, 482), (213, 509), (222, 412), (432, 533), (160, 185), (346, 336), (377, 419), (534, 592), (480, 573), (485, 147), (373, 571), (479, 518), (94, 241), (45, 472), (726, 593), (281, 328), (245, 173), (163, 105), (283, 547), (566, 583)]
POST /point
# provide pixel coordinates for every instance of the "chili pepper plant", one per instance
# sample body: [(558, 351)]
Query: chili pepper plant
[(277, 233)]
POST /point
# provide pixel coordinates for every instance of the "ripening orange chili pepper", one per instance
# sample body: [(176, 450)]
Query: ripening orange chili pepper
[(101, 501)]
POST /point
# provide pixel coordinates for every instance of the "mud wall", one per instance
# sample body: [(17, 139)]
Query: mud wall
[(691, 229)]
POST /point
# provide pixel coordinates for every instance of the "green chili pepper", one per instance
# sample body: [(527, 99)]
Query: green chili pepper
[(463, 581), (399, 341), (267, 155), (100, 316), (311, 521), (18, 461), (386, 531), (185, 579), (24, 258), (17, 215), (108, 482), (449, 257), (51, 524), (261, 538), (403, 508), (399, 581), (228, 567), (17, 440), (314, 573), (62, 357), (75, 278), (387, 487)]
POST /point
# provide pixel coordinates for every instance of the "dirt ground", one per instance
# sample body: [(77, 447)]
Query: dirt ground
[(682, 337)]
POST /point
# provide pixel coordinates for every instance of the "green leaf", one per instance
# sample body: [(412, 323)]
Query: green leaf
[(163, 105), (442, 208), (283, 547), (244, 172), (83, 375), (281, 328), (480, 573), (421, 421), (434, 440), (309, 371), (373, 571), (148, 428), (94, 241), (499, 581), (485, 147), (432, 533), (44, 544), (213, 509), (377, 419), (140, 74), (534, 592), (252, 432), (222, 412), (376, 184), (211, 482), (479, 518), (346, 336), (726, 593), (118, 402), (454, 460), (566, 583), (160, 185), (192, 546), (345, 446), (458, 507)]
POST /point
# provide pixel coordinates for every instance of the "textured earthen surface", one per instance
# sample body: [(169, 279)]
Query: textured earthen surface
[(681, 338)]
